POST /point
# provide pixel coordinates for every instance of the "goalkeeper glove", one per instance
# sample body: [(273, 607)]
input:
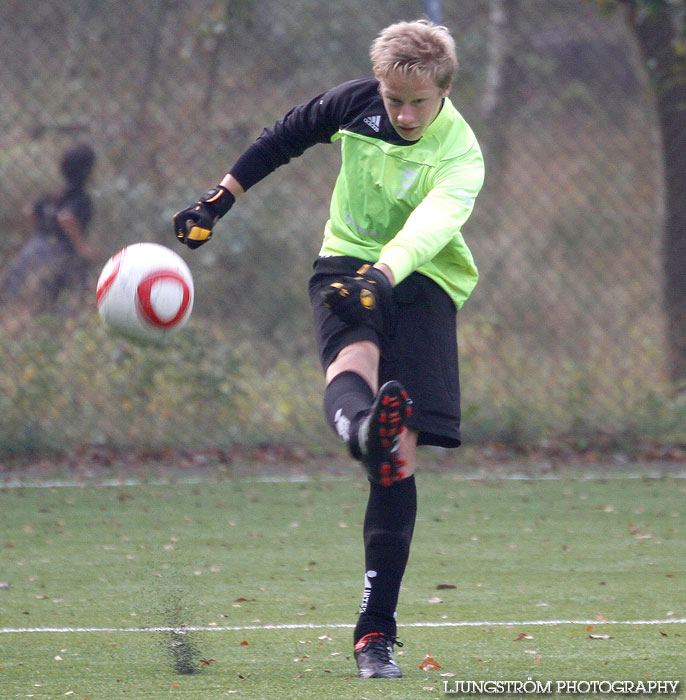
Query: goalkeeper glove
[(366, 299), (193, 225)]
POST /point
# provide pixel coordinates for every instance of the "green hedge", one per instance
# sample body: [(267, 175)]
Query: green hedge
[(70, 384)]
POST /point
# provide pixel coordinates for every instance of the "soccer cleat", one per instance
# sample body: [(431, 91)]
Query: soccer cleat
[(374, 656), (379, 433)]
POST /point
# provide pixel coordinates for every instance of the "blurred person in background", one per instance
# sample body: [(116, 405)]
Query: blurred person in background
[(58, 256)]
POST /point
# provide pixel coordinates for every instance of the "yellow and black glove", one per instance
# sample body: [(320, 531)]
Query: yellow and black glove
[(193, 225), (365, 299)]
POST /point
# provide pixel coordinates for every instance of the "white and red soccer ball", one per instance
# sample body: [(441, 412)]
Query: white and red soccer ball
[(145, 292)]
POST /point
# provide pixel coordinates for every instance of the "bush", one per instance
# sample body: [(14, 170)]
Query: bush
[(74, 384)]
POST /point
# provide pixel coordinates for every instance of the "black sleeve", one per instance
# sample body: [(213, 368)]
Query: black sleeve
[(303, 126)]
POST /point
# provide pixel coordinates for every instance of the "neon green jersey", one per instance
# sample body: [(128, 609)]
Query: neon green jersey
[(399, 202), (404, 205)]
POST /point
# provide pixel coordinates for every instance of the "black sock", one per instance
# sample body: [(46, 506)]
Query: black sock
[(388, 527), (346, 400)]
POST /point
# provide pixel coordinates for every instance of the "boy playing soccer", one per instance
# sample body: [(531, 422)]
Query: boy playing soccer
[(391, 274)]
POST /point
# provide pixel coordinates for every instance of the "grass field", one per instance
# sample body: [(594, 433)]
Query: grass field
[(550, 580)]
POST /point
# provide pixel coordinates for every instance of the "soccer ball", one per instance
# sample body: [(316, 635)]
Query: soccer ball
[(145, 292)]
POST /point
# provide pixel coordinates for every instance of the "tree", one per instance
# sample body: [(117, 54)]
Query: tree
[(660, 29), (433, 9), (499, 93)]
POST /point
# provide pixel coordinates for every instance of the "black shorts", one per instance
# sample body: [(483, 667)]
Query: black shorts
[(420, 352)]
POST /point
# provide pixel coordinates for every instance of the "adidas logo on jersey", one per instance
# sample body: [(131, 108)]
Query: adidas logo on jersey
[(373, 122)]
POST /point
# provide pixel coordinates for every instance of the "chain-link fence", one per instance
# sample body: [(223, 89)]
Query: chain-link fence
[(564, 333)]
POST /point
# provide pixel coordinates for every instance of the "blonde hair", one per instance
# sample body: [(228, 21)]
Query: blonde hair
[(415, 48)]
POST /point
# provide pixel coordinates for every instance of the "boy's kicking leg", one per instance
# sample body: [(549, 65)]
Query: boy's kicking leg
[(371, 422)]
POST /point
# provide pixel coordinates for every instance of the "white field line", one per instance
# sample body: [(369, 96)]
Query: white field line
[(302, 626), (18, 483)]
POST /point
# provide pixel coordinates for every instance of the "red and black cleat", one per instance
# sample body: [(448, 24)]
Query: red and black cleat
[(374, 656), (380, 431)]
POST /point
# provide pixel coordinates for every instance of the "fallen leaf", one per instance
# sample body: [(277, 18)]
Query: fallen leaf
[(429, 664), (599, 636), (244, 643), (445, 586), (522, 635), (207, 662)]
